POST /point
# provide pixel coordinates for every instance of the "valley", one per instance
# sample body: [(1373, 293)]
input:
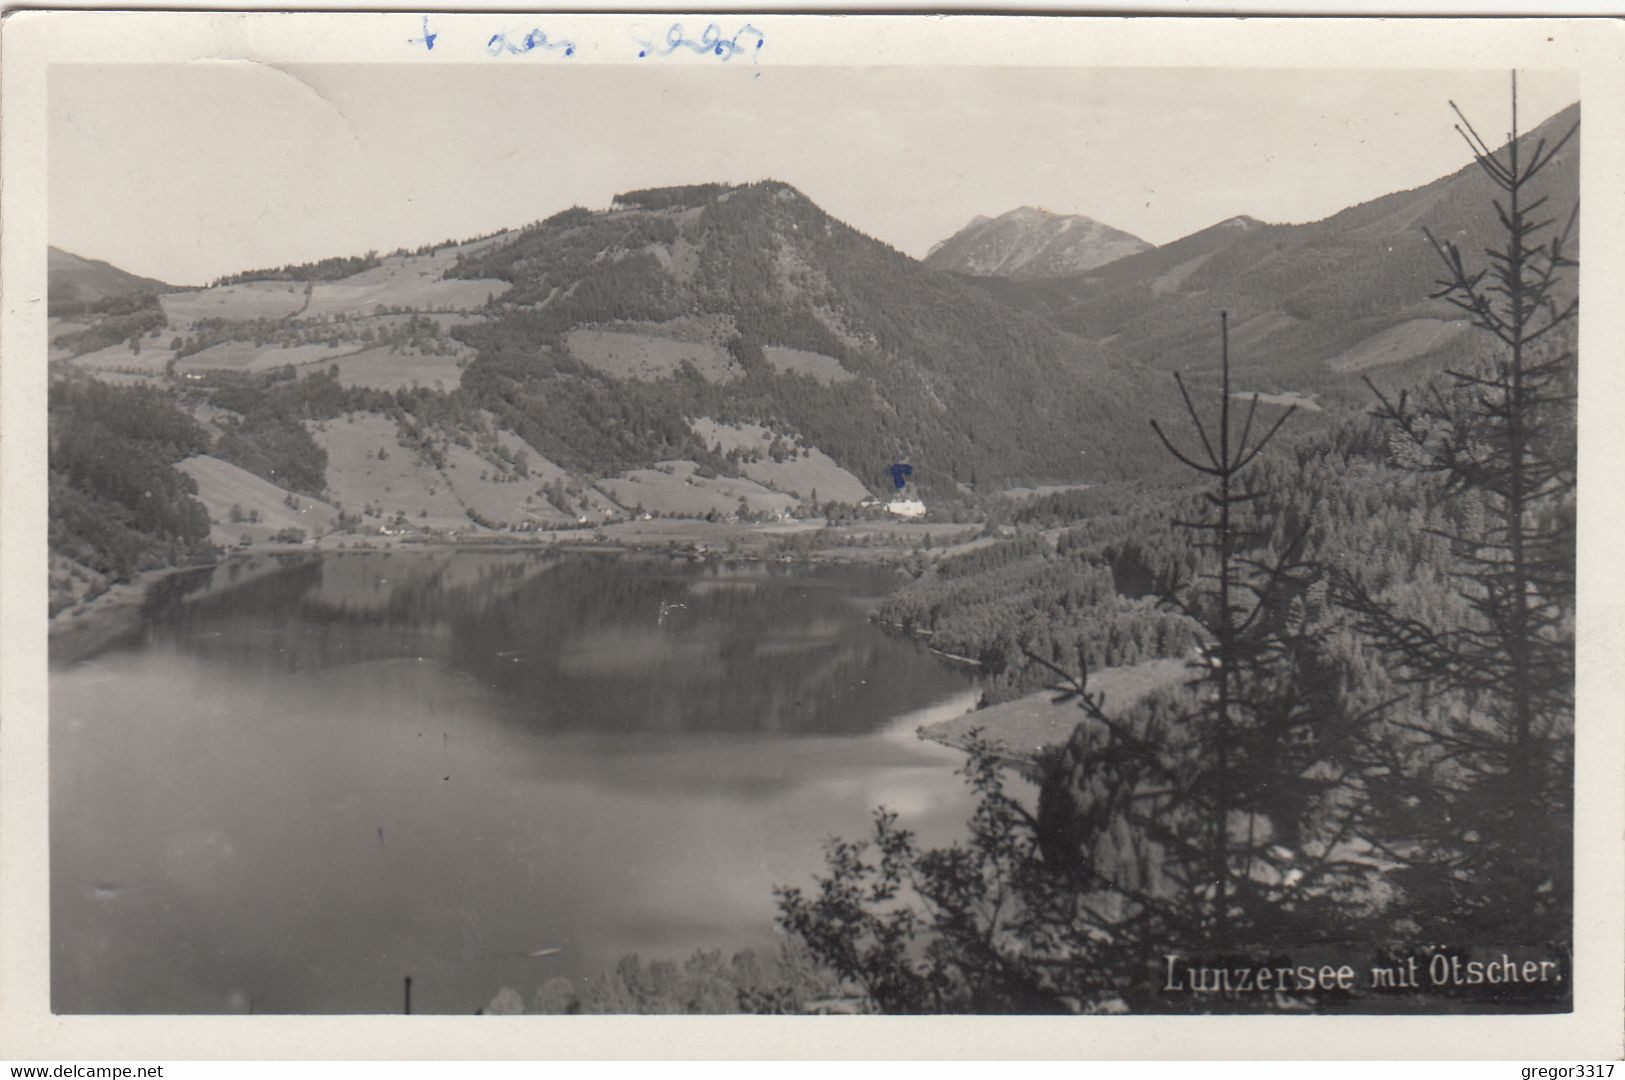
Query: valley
[(621, 557), (707, 368)]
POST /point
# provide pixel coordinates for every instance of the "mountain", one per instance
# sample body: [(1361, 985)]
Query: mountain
[(725, 351), (1311, 306), (733, 349), (1027, 243), (758, 306), (76, 285), (1163, 269), (1155, 272)]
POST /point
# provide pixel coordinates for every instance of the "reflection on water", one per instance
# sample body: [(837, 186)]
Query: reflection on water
[(313, 777)]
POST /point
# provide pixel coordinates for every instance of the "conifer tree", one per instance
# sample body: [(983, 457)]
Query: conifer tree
[(1232, 803), (1477, 799), (1210, 819)]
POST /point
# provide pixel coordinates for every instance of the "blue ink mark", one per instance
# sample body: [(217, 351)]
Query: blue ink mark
[(900, 474), (427, 40), (535, 39), (711, 41)]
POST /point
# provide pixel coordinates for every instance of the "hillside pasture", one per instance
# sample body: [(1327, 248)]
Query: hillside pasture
[(443, 258), (130, 378), (223, 486), (673, 487), (402, 482), (707, 329), (247, 356), (541, 470), (120, 358), (448, 320), (54, 328), (383, 368), (248, 300), (796, 475), (1023, 728), (1406, 341), (824, 369), (399, 482), (646, 357), (504, 499), (412, 281), (1171, 280)]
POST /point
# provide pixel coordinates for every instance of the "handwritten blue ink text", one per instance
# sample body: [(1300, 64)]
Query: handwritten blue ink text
[(503, 43), (711, 41), (427, 40)]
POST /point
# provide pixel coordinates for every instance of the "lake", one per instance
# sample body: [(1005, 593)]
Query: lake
[(307, 778)]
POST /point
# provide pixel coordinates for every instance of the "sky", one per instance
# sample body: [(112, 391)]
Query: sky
[(186, 172)]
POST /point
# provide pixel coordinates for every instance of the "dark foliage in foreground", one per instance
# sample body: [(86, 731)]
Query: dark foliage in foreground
[(1477, 812), (1294, 792), (1213, 817)]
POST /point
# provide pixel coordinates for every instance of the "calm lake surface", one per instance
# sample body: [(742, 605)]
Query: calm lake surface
[(310, 777)]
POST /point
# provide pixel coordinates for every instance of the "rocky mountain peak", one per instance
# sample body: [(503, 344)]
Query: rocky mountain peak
[(1032, 242)]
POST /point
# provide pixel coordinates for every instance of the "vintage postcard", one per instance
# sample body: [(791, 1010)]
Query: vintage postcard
[(1075, 526)]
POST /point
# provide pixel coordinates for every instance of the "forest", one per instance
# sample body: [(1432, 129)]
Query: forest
[(331, 269), (1372, 757), (1373, 589), (779, 271), (117, 504), (120, 319), (1095, 599)]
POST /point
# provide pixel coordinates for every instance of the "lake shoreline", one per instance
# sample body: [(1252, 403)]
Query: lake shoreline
[(343, 732), (78, 633), (93, 625), (1020, 731), (90, 626)]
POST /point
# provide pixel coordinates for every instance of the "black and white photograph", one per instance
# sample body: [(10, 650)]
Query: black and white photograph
[(696, 535)]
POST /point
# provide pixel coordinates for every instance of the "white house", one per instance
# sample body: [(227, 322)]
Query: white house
[(906, 508)]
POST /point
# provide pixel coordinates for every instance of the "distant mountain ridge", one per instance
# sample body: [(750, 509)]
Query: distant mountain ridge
[(1027, 243), (1307, 302), (77, 284), (663, 328), (601, 337)]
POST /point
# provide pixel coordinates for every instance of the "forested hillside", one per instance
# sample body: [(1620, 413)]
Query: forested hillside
[(117, 503), (944, 375), (1329, 469), (79, 286), (522, 379), (1372, 756), (1089, 598)]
